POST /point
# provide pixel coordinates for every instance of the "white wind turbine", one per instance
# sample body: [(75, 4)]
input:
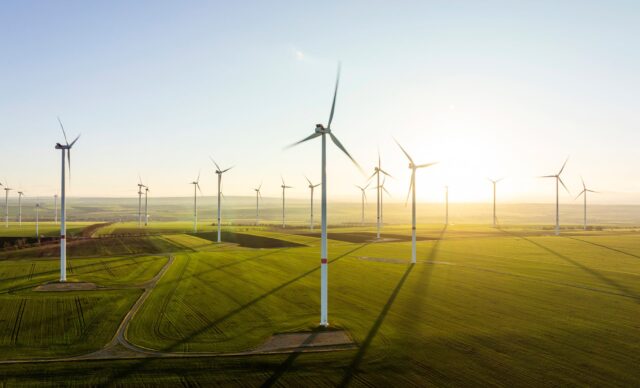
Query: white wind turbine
[(196, 188), (20, 195), (382, 191), (412, 192), (363, 199), (321, 131), (284, 187), (140, 186), (494, 183), (258, 197), (377, 170), (146, 207), (219, 172), (558, 182), (6, 204), (66, 151), (311, 187), (584, 192)]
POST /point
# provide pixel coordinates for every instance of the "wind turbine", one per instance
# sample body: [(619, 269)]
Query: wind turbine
[(364, 199), (146, 203), (412, 192), (321, 131), (66, 151), (55, 202), (258, 196), (219, 172), (140, 186), (284, 187), (558, 181), (311, 187), (376, 172), (38, 220), (20, 194), (6, 204), (584, 194), (196, 186), (494, 182), (382, 191)]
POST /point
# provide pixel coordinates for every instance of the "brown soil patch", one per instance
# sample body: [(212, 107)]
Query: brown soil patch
[(362, 237), (326, 339), (68, 286)]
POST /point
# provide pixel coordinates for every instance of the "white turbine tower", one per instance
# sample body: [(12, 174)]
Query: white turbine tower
[(66, 151), (584, 192), (20, 194), (140, 186), (412, 192), (6, 204), (494, 183), (363, 199), (311, 187), (196, 188), (146, 207), (558, 182), (376, 172), (321, 131), (55, 204), (284, 187), (219, 172), (258, 197)]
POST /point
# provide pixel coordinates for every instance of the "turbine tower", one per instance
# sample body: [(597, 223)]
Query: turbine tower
[(38, 221), (66, 151), (558, 182), (20, 194), (196, 188), (146, 203), (584, 192), (321, 131), (258, 197), (412, 192), (219, 172), (363, 199), (311, 187), (6, 204), (284, 187), (140, 186), (376, 172), (494, 183)]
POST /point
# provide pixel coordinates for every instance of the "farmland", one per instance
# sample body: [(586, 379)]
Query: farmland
[(482, 306)]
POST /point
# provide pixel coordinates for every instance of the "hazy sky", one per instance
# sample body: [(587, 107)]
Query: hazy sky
[(487, 88)]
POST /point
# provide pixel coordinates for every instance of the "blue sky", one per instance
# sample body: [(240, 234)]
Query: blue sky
[(487, 88)]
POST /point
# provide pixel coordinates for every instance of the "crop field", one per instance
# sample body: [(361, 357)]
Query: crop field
[(483, 306)]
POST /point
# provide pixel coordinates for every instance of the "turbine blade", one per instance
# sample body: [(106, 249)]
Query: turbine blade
[(335, 94), (74, 142), (405, 152), (374, 174), (339, 145), (578, 196), (223, 171), (310, 184), (413, 173), (198, 179), (426, 165), (214, 162), (312, 136), (547, 176), (63, 131), (563, 185), (385, 173), (583, 185), (565, 163)]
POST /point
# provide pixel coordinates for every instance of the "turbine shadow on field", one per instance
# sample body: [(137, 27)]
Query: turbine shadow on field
[(282, 369), (605, 247), (353, 367), (136, 366), (624, 290)]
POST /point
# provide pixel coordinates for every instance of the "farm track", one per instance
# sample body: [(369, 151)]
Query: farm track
[(121, 348)]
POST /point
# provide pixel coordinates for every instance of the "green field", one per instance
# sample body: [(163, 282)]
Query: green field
[(482, 306)]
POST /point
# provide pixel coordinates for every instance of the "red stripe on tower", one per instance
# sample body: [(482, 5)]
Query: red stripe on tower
[(323, 261), (63, 236)]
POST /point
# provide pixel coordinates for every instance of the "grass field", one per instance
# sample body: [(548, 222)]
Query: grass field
[(482, 306)]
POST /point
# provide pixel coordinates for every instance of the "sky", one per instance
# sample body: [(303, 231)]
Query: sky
[(489, 89)]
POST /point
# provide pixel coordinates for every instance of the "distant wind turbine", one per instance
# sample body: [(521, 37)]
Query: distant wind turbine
[(321, 131), (584, 192), (219, 172), (376, 172), (38, 220), (6, 204), (311, 187), (196, 188), (20, 194), (558, 182), (412, 192), (494, 183), (383, 190), (364, 199), (66, 151), (146, 207), (258, 197), (140, 186), (284, 187)]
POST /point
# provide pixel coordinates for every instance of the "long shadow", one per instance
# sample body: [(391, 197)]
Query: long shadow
[(624, 290), (134, 367), (604, 246), (357, 360), (284, 367)]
